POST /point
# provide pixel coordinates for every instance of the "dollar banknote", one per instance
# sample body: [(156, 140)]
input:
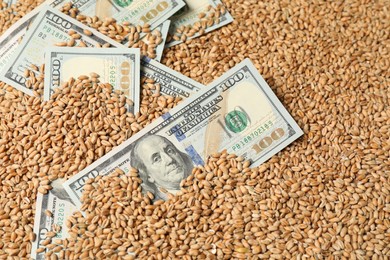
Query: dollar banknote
[(189, 15), (118, 66), (238, 112), (171, 82), (11, 38), (48, 28), (51, 209), (137, 12)]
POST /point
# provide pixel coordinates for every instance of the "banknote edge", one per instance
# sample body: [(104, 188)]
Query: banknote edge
[(38, 205)]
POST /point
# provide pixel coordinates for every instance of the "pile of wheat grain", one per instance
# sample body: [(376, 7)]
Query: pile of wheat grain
[(325, 196)]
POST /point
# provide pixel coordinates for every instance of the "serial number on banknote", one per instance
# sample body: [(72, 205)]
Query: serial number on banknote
[(264, 142), (56, 33)]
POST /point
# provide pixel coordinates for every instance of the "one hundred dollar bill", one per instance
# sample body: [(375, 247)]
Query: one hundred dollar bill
[(120, 67), (49, 27), (238, 112), (171, 82), (137, 12), (58, 202), (189, 15), (9, 41)]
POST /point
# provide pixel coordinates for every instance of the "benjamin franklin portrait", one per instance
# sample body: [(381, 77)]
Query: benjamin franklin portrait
[(160, 165)]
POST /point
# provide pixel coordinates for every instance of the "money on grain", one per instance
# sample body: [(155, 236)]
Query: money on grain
[(326, 196)]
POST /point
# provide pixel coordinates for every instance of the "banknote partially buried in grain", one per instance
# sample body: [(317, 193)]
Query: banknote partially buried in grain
[(189, 16), (49, 27), (58, 202), (10, 40), (238, 112), (171, 82), (137, 12), (118, 66)]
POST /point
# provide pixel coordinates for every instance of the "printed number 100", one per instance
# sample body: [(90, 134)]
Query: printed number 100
[(153, 13), (268, 140)]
